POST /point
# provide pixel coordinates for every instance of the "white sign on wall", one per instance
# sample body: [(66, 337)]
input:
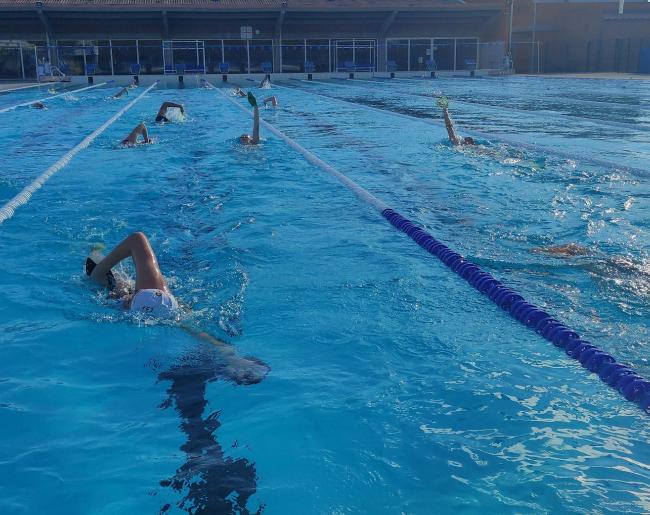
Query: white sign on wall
[(246, 32)]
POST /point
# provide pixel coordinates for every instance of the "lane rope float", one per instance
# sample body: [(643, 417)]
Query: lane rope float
[(618, 376), (24, 104), (8, 210)]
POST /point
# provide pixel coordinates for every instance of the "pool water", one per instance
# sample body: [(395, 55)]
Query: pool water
[(394, 387)]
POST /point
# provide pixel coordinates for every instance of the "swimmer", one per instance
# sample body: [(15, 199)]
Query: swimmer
[(566, 250), (239, 92), (162, 112), (266, 83), (443, 103), (123, 91), (152, 297), (247, 139), (39, 105), (132, 139), (272, 100)]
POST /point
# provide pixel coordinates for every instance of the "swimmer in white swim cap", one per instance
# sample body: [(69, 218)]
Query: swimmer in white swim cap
[(152, 295)]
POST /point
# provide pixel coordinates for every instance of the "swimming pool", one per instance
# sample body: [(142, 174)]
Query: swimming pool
[(394, 386)]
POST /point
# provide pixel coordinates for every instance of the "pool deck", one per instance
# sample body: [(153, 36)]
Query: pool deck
[(593, 75)]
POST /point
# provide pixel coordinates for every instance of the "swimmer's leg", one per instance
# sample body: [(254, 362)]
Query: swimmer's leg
[(147, 271)]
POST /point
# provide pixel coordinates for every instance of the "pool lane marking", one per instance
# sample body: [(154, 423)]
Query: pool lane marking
[(620, 377), (536, 113), (539, 149), (51, 97), (22, 87), (8, 210)]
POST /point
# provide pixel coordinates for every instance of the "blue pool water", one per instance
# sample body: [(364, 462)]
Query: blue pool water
[(394, 386)]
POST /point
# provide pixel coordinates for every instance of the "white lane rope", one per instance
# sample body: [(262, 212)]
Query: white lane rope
[(22, 87), (8, 210), (11, 108), (362, 193)]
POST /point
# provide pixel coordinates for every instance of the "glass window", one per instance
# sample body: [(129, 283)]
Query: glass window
[(10, 67), (364, 55), (236, 55), (318, 52), (398, 55), (420, 54), (151, 56), (124, 55), (98, 53), (261, 56), (187, 56), (293, 56), (443, 53), (344, 56), (466, 51), (71, 57), (29, 56), (213, 55)]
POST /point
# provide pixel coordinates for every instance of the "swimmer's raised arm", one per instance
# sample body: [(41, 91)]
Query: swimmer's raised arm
[(132, 138), (451, 131), (168, 105), (443, 104), (273, 100), (247, 139), (122, 92), (256, 125)]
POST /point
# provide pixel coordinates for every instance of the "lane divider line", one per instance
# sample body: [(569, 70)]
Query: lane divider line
[(21, 87), (540, 149), (11, 108), (8, 210), (620, 377)]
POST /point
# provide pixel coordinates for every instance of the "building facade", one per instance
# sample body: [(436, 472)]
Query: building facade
[(151, 37)]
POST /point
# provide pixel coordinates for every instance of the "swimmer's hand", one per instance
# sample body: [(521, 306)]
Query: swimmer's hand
[(247, 370), (442, 102), (252, 100)]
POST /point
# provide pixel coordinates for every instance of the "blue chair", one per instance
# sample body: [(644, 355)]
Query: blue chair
[(349, 66), (169, 68), (391, 66), (180, 68), (431, 65), (224, 68), (309, 66), (135, 69), (91, 68), (267, 67)]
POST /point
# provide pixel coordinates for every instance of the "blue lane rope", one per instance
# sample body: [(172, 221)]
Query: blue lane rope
[(620, 377)]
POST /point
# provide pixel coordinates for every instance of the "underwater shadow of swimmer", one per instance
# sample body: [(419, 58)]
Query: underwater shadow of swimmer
[(211, 482)]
